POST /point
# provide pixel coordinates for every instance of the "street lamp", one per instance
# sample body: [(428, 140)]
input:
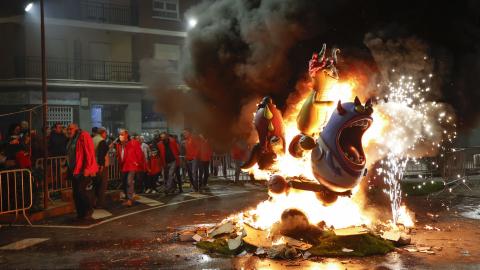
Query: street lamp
[(192, 22), (28, 7)]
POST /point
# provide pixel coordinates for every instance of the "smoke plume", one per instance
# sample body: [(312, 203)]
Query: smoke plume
[(241, 50)]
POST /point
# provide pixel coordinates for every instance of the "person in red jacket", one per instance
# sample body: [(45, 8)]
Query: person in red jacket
[(132, 162), (204, 156), (170, 159), (82, 166), (191, 144), (154, 169)]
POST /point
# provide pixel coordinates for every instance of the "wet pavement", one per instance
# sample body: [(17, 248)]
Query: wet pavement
[(143, 237)]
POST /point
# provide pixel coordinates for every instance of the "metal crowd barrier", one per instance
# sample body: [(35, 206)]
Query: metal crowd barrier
[(419, 168), (16, 193), (458, 166), (463, 161), (113, 167), (56, 173), (472, 160), (221, 164), (224, 164)]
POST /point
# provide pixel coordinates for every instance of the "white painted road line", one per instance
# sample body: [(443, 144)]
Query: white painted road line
[(100, 213), (195, 195), (128, 214), (147, 201), (22, 244)]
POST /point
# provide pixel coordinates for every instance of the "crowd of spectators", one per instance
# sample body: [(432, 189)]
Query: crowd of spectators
[(160, 165)]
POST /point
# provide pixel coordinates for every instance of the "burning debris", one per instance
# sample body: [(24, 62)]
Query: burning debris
[(285, 241)]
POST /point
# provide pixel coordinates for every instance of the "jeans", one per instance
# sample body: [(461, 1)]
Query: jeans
[(192, 171), (82, 195), (128, 184), (170, 177)]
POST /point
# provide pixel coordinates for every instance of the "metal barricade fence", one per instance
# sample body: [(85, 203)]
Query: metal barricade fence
[(113, 167), (419, 168), (56, 173), (472, 160), (463, 161), (16, 194), (224, 164), (454, 171)]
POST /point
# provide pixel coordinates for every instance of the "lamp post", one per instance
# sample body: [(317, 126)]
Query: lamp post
[(192, 22), (28, 7)]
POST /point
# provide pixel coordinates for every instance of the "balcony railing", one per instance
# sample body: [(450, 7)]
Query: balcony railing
[(94, 11), (94, 70)]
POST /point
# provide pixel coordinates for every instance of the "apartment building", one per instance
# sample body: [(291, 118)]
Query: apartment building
[(94, 52)]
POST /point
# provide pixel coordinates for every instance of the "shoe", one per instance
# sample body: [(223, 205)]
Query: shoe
[(128, 203), (154, 192), (148, 191)]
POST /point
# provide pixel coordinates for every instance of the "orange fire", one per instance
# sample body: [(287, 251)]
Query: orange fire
[(345, 212)]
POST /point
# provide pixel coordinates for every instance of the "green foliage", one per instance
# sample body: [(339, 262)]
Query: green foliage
[(329, 245), (362, 245), (219, 246)]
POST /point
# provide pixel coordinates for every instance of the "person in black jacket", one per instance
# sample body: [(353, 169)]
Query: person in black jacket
[(57, 143), (101, 179)]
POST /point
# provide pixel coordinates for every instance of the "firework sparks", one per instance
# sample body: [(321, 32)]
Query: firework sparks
[(411, 128)]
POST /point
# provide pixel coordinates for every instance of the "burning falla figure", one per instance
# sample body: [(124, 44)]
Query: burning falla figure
[(268, 122), (337, 156)]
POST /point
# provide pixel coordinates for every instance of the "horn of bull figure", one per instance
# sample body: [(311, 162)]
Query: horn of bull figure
[(334, 55), (357, 101), (321, 54), (368, 103), (252, 158)]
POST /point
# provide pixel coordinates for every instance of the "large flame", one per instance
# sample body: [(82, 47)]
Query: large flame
[(345, 212), (404, 128)]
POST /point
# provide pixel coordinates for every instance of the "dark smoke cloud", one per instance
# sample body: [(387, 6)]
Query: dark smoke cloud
[(239, 52), (242, 50)]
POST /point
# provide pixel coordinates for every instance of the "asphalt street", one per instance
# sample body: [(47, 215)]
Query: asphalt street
[(143, 237)]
